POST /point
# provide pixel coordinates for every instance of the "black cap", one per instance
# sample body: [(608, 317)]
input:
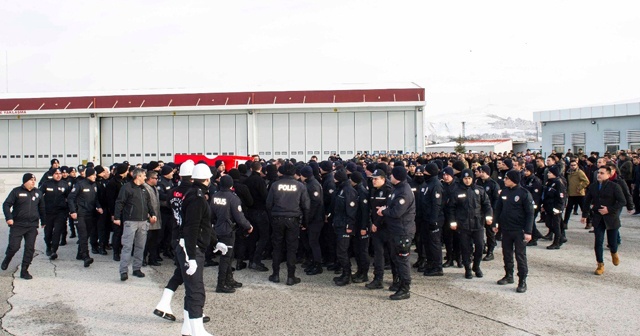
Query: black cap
[(514, 176), (448, 171), (226, 182), (90, 172), (399, 173), (530, 168), (555, 170), (165, 170), (326, 166), (485, 168), (99, 169), (508, 163), (340, 175), (356, 177), (458, 165), (307, 171), (122, 168), (378, 173), (54, 161), (466, 173), (27, 177), (431, 169), (153, 165)]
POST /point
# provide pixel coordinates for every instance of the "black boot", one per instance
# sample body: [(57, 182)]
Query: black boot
[(402, 293), (116, 257), (223, 287), (5, 263), (48, 251), (360, 277), (396, 284), (549, 236), (434, 272), (375, 284), (477, 270), (556, 243), (448, 263), (419, 262), (489, 256), (102, 250), (533, 242), (507, 279), (467, 272), (24, 273), (88, 261), (459, 262), (316, 269), (522, 285), (232, 282), (344, 279), (240, 265)]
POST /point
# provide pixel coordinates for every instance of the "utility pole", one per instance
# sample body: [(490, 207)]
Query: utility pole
[(464, 135)]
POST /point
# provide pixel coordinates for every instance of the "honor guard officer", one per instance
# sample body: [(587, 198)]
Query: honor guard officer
[(196, 234), (55, 192), (288, 203), (514, 215), (431, 195), (344, 209), (553, 196), (227, 214), (492, 189), (23, 208), (380, 192), (469, 209), (83, 206), (316, 218), (399, 214)]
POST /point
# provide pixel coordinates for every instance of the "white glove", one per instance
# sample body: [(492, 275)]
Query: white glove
[(222, 248), (193, 266), (556, 211)]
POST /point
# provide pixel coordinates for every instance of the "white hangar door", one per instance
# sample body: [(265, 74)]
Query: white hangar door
[(297, 137), (313, 135), (4, 143)]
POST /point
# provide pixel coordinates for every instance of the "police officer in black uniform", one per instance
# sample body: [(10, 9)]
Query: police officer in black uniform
[(288, 203), (316, 218), (431, 195), (83, 206), (451, 237), (344, 208), (553, 195), (514, 215), (362, 226), (55, 192), (470, 208), (257, 215), (328, 236), (23, 208), (492, 189), (227, 215), (400, 213), (532, 183), (165, 183), (48, 175), (416, 182), (380, 191), (100, 236), (113, 190)]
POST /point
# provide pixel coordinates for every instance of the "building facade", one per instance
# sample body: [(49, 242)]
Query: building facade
[(156, 126), (596, 128)]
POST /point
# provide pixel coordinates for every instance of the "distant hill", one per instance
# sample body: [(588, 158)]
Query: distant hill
[(480, 126)]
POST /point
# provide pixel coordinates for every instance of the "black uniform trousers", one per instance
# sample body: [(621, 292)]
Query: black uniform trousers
[(285, 229), (451, 242), (491, 238), (536, 234), (194, 294), (16, 234), (116, 239), (574, 201), (176, 278), (100, 233), (361, 250), (401, 263), (151, 247), (54, 225), (328, 243), (432, 243), (313, 233), (164, 237), (514, 240), (420, 240), (84, 225), (380, 240), (342, 250), (468, 240), (260, 235), (224, 270), (554, 223)]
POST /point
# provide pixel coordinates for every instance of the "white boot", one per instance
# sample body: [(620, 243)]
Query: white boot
[(198, 328), (186, 326), (163, 309)]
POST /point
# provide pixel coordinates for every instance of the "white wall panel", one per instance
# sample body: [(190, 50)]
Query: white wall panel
[(196, 134), (313, 135), (134, 140), (264, 132), (212, 134), (106, 140), (597, 112), (362, 132), (180, 138), (120, 139), (396, 131), (379, 132), (150, 137), (15, 143), (29, 146), (57, 139), (165, 138), (241, 135), (608, 111), (346, 134), (85, 142), (329, 134), (297, 136), (227, 134), (409, 131), (4, 143), (71, 146), (43, 141), (280, 135), (585, 112), (620, 110)]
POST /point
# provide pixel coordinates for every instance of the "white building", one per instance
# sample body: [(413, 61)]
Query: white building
[(496, 145), (140, 127)]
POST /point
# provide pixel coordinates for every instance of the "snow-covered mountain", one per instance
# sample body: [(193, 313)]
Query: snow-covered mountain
[(479, 126)]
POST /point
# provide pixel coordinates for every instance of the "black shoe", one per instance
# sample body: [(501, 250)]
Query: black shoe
[(532, 243), (234, 284), (488, 257), (124, 276), (240, 265), (307, 264), (360, 278), (553, 246), (478, 271), (102, 251), (549, 236), (540, 221), (88, 262), (206, 319), (344, 279), (5, 264), (293, 281), (138, 273), (164, 315), (159, 258), (395, 286), (459, 263), (468, 274), (258, 267), (522, 286), (401, 294), (154, 263), (448, 263), (224, 288), (48, 252), (210, 263), (116, 257), (507, 279), (24, 274), (94, 250), (433, 272), (333, 267), (108, 247), (53, 256), (375, 284), (317, 269), (419, 262), (575, 213), (563, 239), (73, 235), (274, 278)]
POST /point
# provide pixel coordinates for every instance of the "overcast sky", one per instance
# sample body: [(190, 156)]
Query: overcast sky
[(505, 57)]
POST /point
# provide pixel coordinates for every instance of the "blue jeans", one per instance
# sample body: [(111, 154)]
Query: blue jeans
[(612, 237)]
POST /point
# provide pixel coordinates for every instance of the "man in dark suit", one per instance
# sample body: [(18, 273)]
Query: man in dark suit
[(604, 200)]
